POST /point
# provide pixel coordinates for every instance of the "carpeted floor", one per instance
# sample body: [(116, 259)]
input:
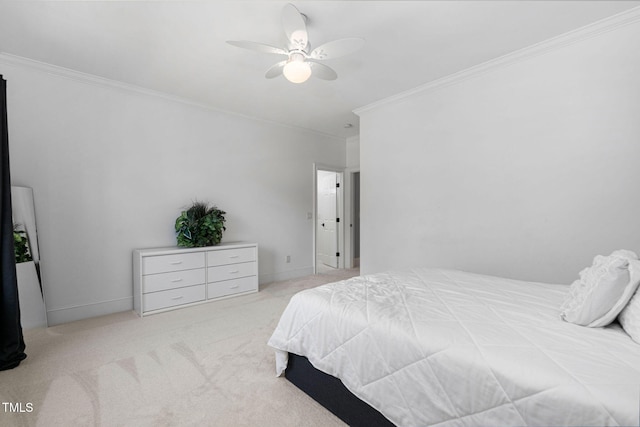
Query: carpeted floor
[(206, 365)]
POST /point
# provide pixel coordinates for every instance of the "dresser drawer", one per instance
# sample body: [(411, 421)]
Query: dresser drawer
[(230, 256), (172, 280), (173, 262), (230, 287), (173, 297), (231, 271)]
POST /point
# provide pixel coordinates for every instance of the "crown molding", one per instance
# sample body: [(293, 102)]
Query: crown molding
[(579, 34), (104, 82)]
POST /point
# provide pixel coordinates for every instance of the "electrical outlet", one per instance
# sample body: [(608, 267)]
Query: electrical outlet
[(288, 259)]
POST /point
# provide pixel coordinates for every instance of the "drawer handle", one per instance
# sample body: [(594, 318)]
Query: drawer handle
[(234, 272), (175, 262), (234, 256), (234, 287), (176, 298), (176, 280)]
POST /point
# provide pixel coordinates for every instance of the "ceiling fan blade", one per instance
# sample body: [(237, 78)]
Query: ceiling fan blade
[(258, 47), (322, 71), (295, 28), (337, 48), (275, 70)]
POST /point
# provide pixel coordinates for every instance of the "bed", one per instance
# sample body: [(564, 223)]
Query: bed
[(434, 347)]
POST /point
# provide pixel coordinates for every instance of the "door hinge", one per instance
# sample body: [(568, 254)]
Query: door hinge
[(337, 219), (337, 253), (337, 185)]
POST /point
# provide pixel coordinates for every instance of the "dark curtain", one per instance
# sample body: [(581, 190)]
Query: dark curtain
[(11, 339)]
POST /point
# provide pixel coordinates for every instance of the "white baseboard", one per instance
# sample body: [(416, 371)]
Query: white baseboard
[(58, 316), (285, 275), (71, 314)]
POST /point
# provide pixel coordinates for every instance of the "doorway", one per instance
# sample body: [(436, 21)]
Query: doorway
[(327, 220), (355, 219), (328, 227)]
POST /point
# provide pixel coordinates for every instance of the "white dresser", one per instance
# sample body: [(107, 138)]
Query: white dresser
[(170, 278)]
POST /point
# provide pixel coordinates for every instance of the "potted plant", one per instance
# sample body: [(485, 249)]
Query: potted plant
[(200, 225), (20, 245)]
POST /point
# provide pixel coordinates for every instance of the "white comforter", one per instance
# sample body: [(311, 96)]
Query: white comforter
[(447, 348)]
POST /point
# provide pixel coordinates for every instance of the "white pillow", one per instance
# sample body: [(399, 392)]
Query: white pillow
[(630, 316), (601, 292)]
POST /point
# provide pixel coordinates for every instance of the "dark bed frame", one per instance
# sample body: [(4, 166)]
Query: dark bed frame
[(332, 394)]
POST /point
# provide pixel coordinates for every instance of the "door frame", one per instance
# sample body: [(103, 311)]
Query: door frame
[(340, 211)]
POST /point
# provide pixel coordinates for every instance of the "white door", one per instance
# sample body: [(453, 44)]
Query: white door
[(326, 227)]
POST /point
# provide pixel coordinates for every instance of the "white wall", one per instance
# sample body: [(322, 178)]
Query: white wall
[(353, 152), (525, 169), (111, 168)]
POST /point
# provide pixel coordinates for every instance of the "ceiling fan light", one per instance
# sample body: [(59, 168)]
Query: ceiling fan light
[(297, 71)]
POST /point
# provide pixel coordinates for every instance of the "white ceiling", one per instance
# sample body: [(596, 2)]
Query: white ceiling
[(178, 47)]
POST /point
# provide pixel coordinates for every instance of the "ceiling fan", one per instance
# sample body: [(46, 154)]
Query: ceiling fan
[(301, 61)]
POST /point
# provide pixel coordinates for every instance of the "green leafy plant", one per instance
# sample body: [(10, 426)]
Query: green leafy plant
[(20, 245), (200, 225)]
